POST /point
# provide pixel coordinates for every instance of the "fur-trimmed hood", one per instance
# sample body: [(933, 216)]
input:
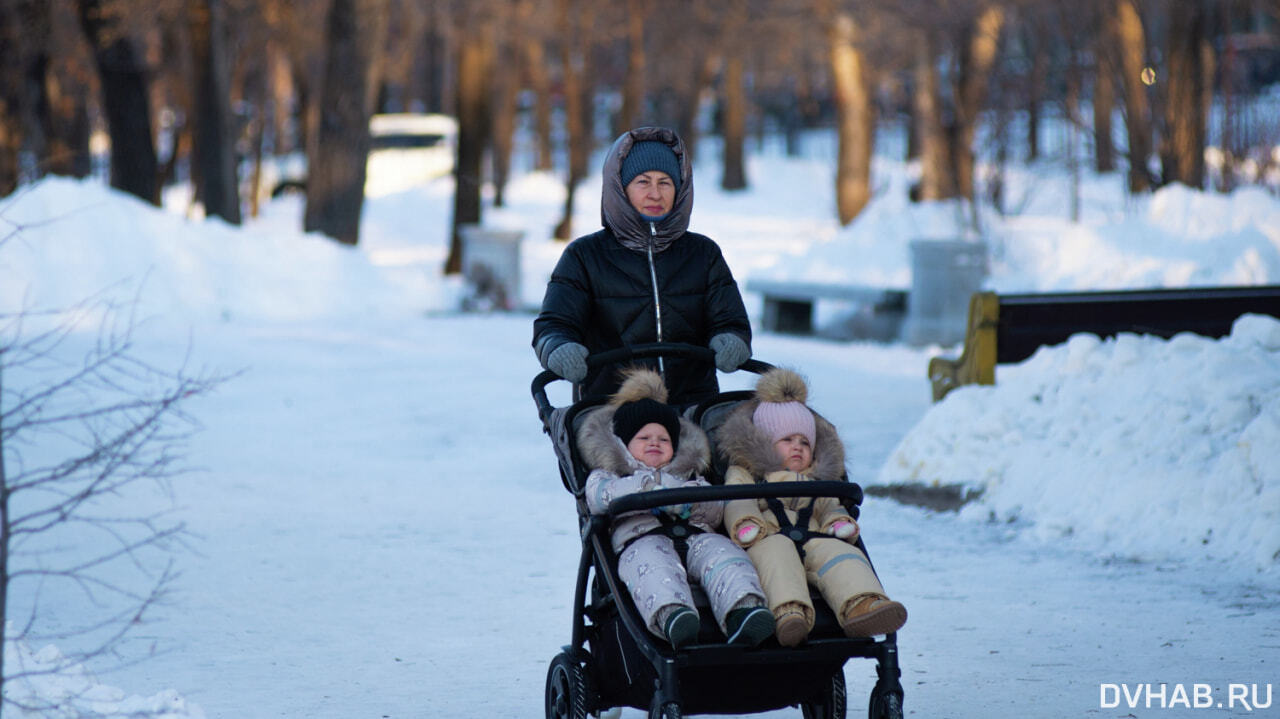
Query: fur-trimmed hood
[(740, 442), (600, 448)]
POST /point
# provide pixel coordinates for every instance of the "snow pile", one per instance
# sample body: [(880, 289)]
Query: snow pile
[(1134, 445), (66, 239), (43, 685)]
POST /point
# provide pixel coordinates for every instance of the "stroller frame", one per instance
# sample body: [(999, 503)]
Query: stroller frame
[(626, 665)]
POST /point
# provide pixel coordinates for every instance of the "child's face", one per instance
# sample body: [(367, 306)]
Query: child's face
[(651, 445), (795, 452)]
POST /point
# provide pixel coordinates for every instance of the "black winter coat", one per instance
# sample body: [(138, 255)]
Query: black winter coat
[(601, 294)]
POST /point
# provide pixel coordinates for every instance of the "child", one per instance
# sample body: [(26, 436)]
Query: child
[(636, 443), (775, 437)]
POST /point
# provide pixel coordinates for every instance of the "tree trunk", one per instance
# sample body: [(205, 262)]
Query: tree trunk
[(975, 68), (734, 119), (1132, 47), (633, 86), (1183, 159), (1074, 81), (214, 138), (1035, 90), (474, 65), (66, 123), (535, 66), (12, 78), (336, 167), (125, 102), (935, 178), (855, 120), (506, 84), (576, 74), (61, 87), (1103, 105), (689, 101)]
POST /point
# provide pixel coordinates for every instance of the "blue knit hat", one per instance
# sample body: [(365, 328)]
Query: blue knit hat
[(650, 155)]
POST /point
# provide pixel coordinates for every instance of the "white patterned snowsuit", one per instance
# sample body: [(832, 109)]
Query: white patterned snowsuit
[(650, 566)]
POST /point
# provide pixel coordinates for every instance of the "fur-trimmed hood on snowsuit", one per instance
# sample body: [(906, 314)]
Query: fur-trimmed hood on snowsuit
[(600, 448), (615, 473), (744, 444)]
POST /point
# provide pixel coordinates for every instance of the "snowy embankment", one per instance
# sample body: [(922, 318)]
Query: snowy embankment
[(1134, 446)]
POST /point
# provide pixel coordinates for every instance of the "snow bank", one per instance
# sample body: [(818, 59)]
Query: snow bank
[(44, 685), (1134, 445), (66, 239)]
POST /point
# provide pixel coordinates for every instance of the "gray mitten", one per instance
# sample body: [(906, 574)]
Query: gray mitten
[(731, 351), (569, 360)]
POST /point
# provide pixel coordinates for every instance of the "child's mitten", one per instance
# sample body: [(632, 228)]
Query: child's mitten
[(747, 533), (843, 529)]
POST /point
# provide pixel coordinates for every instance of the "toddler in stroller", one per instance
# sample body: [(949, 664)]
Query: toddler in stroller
[(637, 443), (798, 541)]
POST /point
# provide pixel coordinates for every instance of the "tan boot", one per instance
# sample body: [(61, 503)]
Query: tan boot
[(867, 615), (790, 624)]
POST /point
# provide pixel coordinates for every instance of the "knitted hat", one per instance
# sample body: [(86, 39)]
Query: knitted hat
[(631, 417), (783, 419), (650, 155)]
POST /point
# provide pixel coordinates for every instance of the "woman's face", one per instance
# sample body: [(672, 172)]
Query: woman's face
[(652, 193), (651, 445), (795, 452)]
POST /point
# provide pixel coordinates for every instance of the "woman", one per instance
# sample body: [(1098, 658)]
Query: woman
[(643, 278)]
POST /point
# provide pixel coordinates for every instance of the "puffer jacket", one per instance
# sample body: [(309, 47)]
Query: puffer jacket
[(752, 457), (635, 282), (615, 473)]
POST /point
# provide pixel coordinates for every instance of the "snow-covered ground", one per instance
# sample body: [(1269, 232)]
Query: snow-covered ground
[(380, 529)]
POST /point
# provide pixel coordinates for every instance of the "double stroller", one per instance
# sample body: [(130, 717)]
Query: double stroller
[(614, 661)]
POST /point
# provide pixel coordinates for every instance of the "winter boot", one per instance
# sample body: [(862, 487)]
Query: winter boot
[(867, 615), (681, 626), (749, 625), (791, 626)]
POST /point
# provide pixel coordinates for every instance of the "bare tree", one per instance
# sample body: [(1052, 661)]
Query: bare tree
[(1103, 96), (533, 50), (474, 106), (90, 441), (936, 182), (336, 162), (733, 99), (1182, 148), (855, 117), (505, 84), (62, 76), (123, 78), (214, 141), (1131, 46), (574, 22), (633, 84)]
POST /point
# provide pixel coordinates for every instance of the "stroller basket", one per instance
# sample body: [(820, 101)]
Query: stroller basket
[(613, 659)]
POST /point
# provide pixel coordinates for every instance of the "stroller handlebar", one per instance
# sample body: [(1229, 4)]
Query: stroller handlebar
[(663, 497), (640, 351)]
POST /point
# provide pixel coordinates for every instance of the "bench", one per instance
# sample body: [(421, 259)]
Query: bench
[(788, 306), (1004, 329)]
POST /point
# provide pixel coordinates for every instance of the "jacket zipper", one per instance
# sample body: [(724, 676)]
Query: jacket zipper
[(657, 301)]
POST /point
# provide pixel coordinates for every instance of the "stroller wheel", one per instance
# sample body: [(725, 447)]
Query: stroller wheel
[(885, 704), (829, 704), (568, 689)]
